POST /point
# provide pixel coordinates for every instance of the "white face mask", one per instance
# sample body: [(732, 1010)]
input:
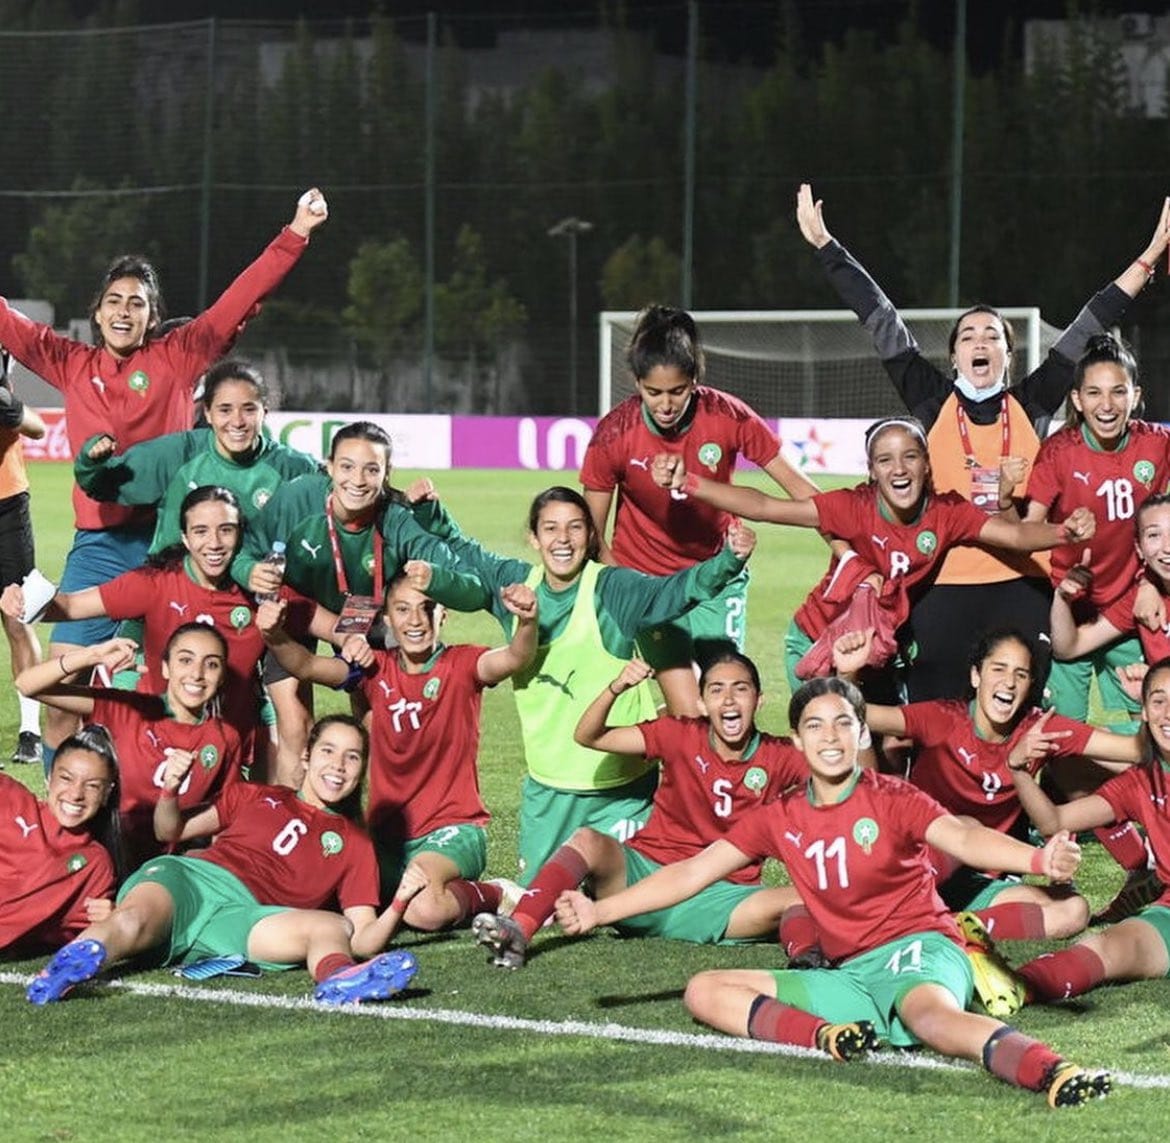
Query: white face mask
[(972, 394)]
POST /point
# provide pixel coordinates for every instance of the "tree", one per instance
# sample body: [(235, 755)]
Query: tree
[(385, 291), (640, 272)]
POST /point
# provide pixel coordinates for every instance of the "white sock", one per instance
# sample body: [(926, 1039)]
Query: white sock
[(30, 716)]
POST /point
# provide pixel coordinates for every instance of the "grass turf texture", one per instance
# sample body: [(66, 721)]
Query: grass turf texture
[(163, 1059)]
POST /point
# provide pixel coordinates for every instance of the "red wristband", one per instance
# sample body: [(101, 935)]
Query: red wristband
[(399, 905), (169, 796), (1149, 269), (690, 484), (1038, 861)]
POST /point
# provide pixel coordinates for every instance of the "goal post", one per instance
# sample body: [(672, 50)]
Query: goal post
[(808, 363)]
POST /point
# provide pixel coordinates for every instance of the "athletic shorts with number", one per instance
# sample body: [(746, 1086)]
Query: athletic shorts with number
[(213, 910), (17, 554), (969, 889), (1069, 683), (702, 920), (549, 817), (870, 986), (96, 558), (464, 844), (708, 625)]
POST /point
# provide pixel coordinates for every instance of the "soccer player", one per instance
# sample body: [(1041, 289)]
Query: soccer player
[(135, 385), (658, 532), (424, 697), (345, 534), (854, 844), (590, 615), (17, 549), (1137, 948), (147, 730), (233, 452), (60, 857), (896, 523), (978, 422), (278, 858), (713, 769), (966, 756)]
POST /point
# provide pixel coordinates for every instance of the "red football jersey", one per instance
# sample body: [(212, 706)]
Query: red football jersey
[(142, 731), (149, 393), (424, 741), (288, 852), (1141, 794), (700, 795), (1070, 473), (967, 774), (1155, 644), (911, 553), (655, 530), (860, 865), (46, 872)]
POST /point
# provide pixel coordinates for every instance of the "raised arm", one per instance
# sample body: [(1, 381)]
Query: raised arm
[(502, 662), (1079, 814), (140, 475), (1071, 640), (84, 604), (982, 848), (294, 657), (592, 730), (750, 503), (44, 681), (850, 655), (1077, 528)]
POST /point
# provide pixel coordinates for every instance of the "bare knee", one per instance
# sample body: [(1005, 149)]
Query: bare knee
[(699, 997), (1065, 916), (430, 910)]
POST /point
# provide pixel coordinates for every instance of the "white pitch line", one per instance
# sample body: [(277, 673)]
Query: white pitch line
[(617, 1033)]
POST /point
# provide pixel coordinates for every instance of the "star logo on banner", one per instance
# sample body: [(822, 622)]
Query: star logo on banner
[(812, 451)]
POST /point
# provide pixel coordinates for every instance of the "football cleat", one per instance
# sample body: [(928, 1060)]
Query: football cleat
[(376, 979), (504, 937), (1141, 888), (847, 1042), (28, 749), (1001, 992), (76, 962), (1069, 1085), (510, 894)]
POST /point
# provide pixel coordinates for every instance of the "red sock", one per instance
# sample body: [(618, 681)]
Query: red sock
[(566, 869), (1125, 845), (1059, 975), (780, 1023), (1014, 921), (798, 934), (1018, 1059), (329, 964), (474, 897)]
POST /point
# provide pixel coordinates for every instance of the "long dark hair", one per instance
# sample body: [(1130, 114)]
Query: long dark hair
[(351, 805), (669, 337), (559, 494), (986, 644), (1102, 349), (129, 266), (375, 434), (174, 554), (105, 826)]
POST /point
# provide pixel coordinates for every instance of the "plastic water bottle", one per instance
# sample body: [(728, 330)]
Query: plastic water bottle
[(275, 559)]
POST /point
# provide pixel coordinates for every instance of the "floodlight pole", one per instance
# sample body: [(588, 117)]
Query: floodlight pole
[(569, 228)]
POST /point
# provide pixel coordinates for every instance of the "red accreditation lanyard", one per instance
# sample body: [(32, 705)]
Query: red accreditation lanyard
[(339, 565), (965, 435)]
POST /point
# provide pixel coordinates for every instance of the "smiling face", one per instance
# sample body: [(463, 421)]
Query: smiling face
[(562, 538), (1105, 399), (194, 669), (79, 785), (1153, 540), (411, 617), (124, 316), (898, 465), (730, 700), (981, 351), (212, 535), (666, 392), (1156, 709), (359, 470), (334, 765), (1002, 683), (828, 735), (235, 414)]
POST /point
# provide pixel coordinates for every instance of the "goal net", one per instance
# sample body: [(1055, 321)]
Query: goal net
[(808, 363)]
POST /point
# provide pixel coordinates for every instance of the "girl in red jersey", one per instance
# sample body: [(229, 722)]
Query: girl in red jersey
[(136, 384), (713, 769), (895, 523), (60, 858), (854, 844), (148, 729), (188, 581), (277, 860), (660, 532), (1108, 461), (967, 754), (424, 807), (1138, 948)]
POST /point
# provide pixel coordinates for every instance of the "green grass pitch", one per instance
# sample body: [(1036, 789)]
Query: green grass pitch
[(589, 1041)]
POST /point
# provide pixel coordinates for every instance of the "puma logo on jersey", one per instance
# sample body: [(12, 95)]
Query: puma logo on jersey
[(25, 828), (702, 763), (387, 689), (968, 756), (312, 549), (640, 462), (153, 739), (273, 802), (181, 608), (881, 541), (98, 384), (1083, 477), (555, 682), (793, 837)]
